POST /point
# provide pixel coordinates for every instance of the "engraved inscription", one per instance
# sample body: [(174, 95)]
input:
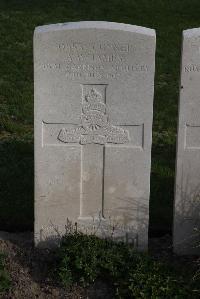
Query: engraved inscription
[(104, 46), (100, 52), (95, 126), (100, 228), (87, 69), (103, 60), (192, 68)]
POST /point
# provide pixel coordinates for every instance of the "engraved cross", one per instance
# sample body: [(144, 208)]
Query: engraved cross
[(93, 134)]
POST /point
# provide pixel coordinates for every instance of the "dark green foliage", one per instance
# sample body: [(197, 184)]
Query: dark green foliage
[(152, 279), (4, 277), (83, 259), (16, 184), (91, 257)]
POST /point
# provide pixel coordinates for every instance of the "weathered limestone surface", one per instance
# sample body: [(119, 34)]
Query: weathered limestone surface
[(187, 188), (94, 86)]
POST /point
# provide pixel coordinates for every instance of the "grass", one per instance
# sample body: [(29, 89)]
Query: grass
[(18, 18)]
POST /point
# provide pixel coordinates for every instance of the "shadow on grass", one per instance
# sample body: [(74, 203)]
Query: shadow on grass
[(16, 185), (162, 190)]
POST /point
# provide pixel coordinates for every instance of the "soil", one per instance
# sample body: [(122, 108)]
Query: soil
[(29, 271), (31, 276)]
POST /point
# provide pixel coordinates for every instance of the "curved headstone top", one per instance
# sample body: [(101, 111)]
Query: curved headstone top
[(96, 24), (93, 91), (191, 32)]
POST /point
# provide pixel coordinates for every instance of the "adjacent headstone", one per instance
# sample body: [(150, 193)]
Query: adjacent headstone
[(94, 86), (187, 189)]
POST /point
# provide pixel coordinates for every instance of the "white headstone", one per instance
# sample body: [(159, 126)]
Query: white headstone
[(187, 189), (94, 86)]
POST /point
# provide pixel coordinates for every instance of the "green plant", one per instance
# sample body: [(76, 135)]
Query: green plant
[(4, 276), (152, 279), (86, 258)]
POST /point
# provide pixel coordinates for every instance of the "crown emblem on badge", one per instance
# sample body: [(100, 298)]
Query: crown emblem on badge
[(93, 101), (93, 96)]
